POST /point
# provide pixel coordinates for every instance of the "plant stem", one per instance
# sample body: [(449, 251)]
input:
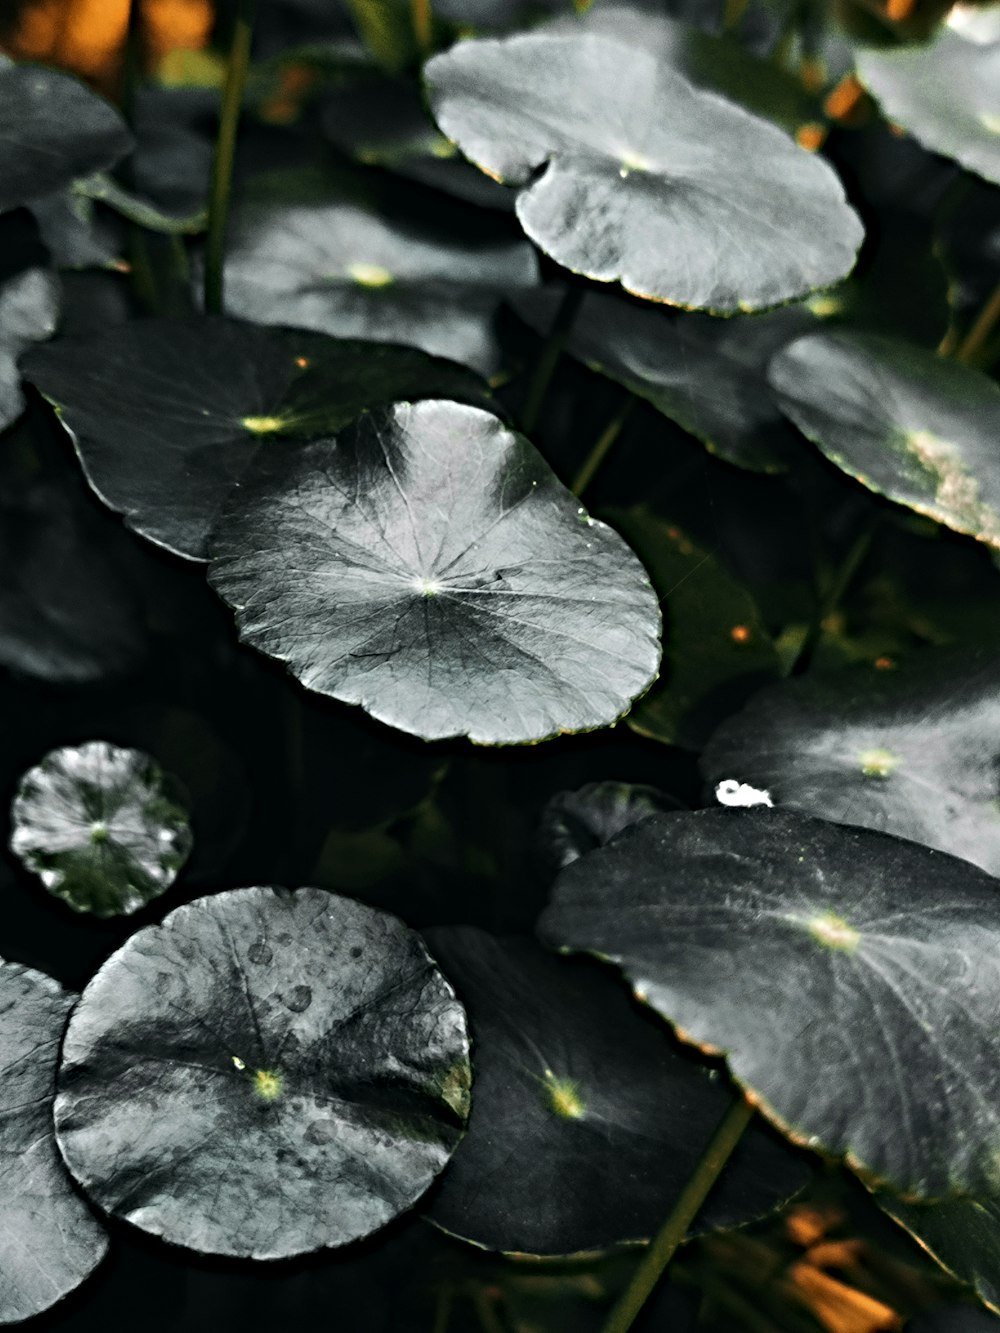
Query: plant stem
[(602, 448), (549, 357), (664, 1244), (443, 1309), (423, 25), (983, 325), (225, 146), (842, 580)]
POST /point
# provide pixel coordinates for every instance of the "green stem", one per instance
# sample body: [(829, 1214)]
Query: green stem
[(549, 358), (602, 448), (423, 25), (443, 1308), (225, 147), (983, 325), (663, 1246), (842, 580)]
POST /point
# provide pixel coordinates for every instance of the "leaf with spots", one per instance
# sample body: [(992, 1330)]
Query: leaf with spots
[(166, 414), (851, 979), (49, 1239), (914, 751), (429, 567), (902, 421), (264, 1074), (629, 173), (101, 826), (587, 1118), (944, 93)]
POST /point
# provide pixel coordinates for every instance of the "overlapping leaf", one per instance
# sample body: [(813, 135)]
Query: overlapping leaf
[(430, 567), (851, 979), (264, 1074), (574, 823), (628, 173)]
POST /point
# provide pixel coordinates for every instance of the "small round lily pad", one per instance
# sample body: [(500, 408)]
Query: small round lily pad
[(851, 979), (167, 413), (50, 1241), (264, 1074), (913, 751), (587, 1120), (902, 421), (429, 567), (607, 146), (945, 93), (101, 827)]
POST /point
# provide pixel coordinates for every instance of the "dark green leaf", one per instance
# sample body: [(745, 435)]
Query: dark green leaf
[(345, 269), (264, 1074), (101, 827), (608, 146), (945, 93), (49, 1241), (904, 422), (586, 1121), (29, 309), (914, 751), (167, 413), (55, 130), (961, 1234), (851, 979), (954, 1319), (574, 823), (431, 568)]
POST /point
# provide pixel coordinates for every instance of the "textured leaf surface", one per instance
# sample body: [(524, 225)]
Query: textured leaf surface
[(167, 413), (904, 422), (347, 270), (54, 130), (945, 93), (49, 1240), (795, 946), (264, 1074), (101, 827), (574, 823), (648, 181), (914, 751), (586, 1121), (431, 568)]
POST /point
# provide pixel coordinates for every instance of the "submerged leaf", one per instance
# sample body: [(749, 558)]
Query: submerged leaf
[(902, 421), (574, 823), (49, 1241), (166, 414), (587, 1121), (101, 827), (628, 173), (851, 979), (264, 1074), (430, 567)]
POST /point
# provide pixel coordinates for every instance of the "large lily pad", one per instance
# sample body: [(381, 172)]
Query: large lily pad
[(346, 269), (55, 130), (167, 413), (101, 826), (49, 1241), (945, 93), (904, 422), (430, 567), (794, 946), (264, 1074), (913, 751), (587, 1121), (607, 145)]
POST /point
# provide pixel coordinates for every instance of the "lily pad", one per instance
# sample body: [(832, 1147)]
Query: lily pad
[(708, 375), (914, 751), (167, 413), (587, 1120), (50, 1241), (29, 305), (961, 1234), (945, 93), (264, 1074), (717, 650), (430, 567), (574, 823), (607, 145), (902, 421), (55, 130), (851, 979), (101, 827), (345, 269)]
